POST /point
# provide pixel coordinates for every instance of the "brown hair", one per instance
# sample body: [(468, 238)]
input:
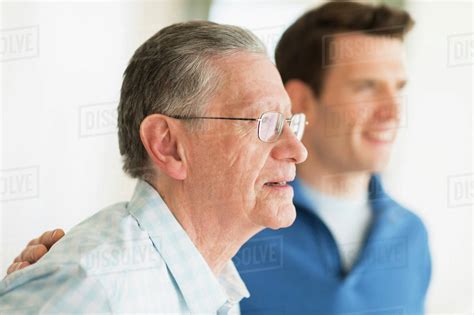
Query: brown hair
[(303, 48)]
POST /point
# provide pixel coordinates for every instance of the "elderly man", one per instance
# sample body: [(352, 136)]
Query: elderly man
[(205, 126)]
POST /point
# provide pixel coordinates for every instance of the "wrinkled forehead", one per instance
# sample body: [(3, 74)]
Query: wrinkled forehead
[(253, 107), (250, 86)]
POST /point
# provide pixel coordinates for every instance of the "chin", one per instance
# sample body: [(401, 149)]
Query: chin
[(282, 218), (373, 160), (380, 162), (374, 165)]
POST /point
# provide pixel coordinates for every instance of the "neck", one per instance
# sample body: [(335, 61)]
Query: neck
[(214, 232), (332, 181)]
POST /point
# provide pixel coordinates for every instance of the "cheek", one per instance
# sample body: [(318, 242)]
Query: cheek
[(247, 172), (358, 116), (334, 121), (332, 128), (238, 171)]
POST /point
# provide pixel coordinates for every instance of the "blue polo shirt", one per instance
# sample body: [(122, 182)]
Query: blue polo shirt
[(297, 270)]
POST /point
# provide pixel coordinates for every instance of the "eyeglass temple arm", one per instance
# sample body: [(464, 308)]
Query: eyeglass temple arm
[(223, 118)]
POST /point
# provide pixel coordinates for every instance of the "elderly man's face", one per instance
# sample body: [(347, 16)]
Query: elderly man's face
[(229, 167)]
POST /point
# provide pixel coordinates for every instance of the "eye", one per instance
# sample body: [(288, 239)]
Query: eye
[(365, 85), (401, 85)]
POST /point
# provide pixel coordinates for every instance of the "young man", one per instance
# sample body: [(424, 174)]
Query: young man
[(352, 249)]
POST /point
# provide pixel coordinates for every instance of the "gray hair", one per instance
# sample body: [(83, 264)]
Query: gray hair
[(172, 74)]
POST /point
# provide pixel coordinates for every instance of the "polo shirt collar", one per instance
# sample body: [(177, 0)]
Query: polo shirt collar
[(201, 289), (383, 218)]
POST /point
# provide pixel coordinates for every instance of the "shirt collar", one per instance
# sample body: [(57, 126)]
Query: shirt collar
[(201, 289)]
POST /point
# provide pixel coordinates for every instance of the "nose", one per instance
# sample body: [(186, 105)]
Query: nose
[(389, 107), (289, 148)]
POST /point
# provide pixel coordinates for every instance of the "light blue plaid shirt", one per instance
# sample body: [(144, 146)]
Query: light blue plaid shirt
[(128, 258)]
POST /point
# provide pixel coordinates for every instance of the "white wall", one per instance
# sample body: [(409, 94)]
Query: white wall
[(60, 159), (436, 146)]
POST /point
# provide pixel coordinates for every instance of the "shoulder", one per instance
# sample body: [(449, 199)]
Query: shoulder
[(108, 226), (399, 216), (109, 241), (402, 223), (73, 277), (51, 288), (61, 271), (109, 232), (406, 218)]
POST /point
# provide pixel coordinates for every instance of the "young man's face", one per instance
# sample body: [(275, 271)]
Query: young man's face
[(354, 121)]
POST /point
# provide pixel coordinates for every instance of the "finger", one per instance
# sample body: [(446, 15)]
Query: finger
[(32, 253), (51, 237), (55, 236), (48, 238), (22, 265), (40, 240), (17, 266), (17, 259), (12, 267), (34, 241)]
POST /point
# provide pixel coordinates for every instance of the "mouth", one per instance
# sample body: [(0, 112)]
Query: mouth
[(276, 184), (386, 136), (279, 187), (279, 182)]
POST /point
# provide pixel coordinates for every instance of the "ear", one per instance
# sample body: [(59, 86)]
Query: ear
[(301, 96), (159, 135)]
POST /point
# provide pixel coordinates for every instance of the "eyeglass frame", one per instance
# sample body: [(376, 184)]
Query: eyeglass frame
[(287, 120)]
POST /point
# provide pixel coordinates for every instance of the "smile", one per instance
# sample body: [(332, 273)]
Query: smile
[(381, 136)]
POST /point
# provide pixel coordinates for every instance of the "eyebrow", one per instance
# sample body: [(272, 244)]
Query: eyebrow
[(401, 82)]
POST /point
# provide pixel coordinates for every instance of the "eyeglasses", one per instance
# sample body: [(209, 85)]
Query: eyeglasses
[(270, 124)]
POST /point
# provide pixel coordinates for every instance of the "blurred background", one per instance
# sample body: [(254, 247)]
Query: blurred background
[(61, 72)]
